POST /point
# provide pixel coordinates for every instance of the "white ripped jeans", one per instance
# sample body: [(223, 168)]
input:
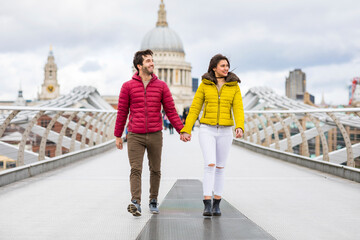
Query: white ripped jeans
[(215, 143)]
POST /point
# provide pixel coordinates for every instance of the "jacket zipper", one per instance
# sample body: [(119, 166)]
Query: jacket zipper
[(218, 112), (146, 130)]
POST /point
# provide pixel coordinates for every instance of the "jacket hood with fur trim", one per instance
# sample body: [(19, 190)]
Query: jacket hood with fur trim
[(231, 77)]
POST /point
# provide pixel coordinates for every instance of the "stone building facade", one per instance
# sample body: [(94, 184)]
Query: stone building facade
[(169, 59)]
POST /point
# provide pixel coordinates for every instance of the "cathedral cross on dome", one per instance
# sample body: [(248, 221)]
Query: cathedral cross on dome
[(162, 16)]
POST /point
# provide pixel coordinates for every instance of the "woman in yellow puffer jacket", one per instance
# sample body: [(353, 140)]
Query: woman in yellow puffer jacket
[(220, 94)]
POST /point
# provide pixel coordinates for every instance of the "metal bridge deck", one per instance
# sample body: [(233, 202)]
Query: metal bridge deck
[(181, 218), (88, 199)]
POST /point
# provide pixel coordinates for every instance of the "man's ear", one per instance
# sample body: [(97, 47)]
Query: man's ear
[(139, 66)]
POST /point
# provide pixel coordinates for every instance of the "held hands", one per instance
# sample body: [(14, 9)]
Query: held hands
[(119, 143), (239, 133), (185, 137)]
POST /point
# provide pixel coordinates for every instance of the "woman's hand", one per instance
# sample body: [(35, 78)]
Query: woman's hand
[(239, 133), (185, 137)]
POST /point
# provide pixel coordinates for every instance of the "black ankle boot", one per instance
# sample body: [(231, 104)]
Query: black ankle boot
[(216, 207), (207, 208)]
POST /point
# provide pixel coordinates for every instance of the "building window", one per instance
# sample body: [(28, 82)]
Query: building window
[(352, 137), (44, 123)]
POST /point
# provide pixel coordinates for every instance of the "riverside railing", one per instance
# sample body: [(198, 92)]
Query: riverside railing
[(51, 132), (331, 135)]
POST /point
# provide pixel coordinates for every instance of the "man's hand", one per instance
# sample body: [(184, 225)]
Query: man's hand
[(239, 133), (119, 143), (185, 137)]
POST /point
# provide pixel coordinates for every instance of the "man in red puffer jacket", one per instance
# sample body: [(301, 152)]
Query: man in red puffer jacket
[(143, 95)]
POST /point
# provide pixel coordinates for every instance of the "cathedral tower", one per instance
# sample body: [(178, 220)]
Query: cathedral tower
[(50, 89), (169, 58)]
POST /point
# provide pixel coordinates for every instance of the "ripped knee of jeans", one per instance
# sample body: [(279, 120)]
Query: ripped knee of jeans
[(219, 170)]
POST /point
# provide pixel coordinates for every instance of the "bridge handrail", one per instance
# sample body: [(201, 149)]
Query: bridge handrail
[(46, 123), (52, 109), (319, 110), (260, 128)]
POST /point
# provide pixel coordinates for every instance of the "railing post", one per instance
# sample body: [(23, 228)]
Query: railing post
[(350, 156), (247, 129), (83, 138), (287, 133), (58, 151), (256, 127), (267, 137), (276, 134), (322, 137), (112, 128), (20, 158), (95, 127), (45, 135), (73, 136), (7, 121), (107, 127), (305, 145), (249, 120), (98, 137)]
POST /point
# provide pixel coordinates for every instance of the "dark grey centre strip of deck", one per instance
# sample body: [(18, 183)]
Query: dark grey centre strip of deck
[(181, 218)]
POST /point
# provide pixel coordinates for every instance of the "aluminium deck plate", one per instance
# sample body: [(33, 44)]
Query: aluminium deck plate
[(181, 218)]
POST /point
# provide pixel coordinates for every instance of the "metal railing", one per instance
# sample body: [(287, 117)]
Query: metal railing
[(329, 134), (325, 134), (61, 130)]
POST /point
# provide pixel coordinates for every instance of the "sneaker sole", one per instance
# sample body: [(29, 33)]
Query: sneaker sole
[(133, 210), (154, 212)]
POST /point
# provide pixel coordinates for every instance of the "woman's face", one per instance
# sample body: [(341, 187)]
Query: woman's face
[(222, 69)]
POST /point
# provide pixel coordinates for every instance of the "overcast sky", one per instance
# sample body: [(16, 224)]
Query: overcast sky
[(94, 41)]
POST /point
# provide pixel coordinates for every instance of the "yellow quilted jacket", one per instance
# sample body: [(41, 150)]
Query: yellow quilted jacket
[(218, 104)]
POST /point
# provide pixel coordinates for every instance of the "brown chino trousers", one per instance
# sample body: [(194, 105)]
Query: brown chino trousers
[(137, 143)]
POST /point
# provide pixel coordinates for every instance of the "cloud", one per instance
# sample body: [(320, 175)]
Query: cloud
[(94, 41), (90, 66)]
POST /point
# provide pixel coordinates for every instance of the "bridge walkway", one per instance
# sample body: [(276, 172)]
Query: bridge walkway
[(88, 199)]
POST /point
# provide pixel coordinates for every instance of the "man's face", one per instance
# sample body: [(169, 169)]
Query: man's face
[(148, 65)]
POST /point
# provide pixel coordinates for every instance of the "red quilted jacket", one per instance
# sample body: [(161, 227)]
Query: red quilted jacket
[(145, 106)]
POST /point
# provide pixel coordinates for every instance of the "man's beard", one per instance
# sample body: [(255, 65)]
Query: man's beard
[(146, 71)]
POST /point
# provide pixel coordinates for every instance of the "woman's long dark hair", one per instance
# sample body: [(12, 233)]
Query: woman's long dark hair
[(214, 62)]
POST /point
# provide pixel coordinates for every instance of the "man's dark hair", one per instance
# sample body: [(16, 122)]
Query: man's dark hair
[(139, 57)]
